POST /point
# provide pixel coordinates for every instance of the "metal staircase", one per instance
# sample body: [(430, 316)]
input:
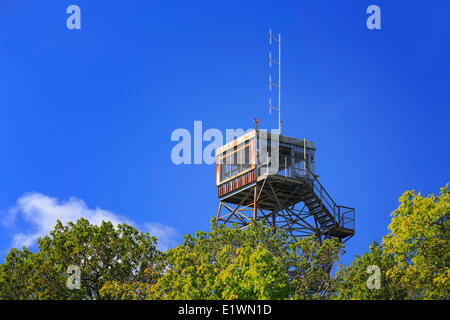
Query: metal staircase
[(332, 219)]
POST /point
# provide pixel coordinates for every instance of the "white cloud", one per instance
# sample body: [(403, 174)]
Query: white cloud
[(167, 236), (40, 213)]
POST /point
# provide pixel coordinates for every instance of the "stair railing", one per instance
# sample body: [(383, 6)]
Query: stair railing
[(344, 216)]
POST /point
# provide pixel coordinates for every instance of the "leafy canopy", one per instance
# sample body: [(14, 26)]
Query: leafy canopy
[(229, 263), (255, 263), (103, 253), (414, 257)]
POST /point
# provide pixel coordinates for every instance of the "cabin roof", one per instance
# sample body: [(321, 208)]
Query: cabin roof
[(252, 134)]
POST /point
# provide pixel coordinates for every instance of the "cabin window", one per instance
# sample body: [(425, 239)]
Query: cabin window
[(233, 162)]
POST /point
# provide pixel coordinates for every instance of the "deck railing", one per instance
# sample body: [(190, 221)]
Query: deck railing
[(344, 216)]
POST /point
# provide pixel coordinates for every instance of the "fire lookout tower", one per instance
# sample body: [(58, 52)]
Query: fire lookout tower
[(271, 177)]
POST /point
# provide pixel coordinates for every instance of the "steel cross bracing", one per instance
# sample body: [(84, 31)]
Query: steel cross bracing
[(300, 207)]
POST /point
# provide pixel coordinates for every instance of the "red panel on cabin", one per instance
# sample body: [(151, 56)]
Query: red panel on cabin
[(236, 183)]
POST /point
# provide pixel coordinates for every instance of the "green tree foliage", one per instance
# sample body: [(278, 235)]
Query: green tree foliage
[(16, 273), (350, 282), (117, 290), (255, 263), (419, 241), (103, 253), (414, 257), (229, 263)]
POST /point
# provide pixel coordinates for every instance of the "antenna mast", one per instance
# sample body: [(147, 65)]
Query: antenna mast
[(278, 63)]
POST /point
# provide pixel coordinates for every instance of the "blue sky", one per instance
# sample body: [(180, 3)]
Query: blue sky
[(86, 115)]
